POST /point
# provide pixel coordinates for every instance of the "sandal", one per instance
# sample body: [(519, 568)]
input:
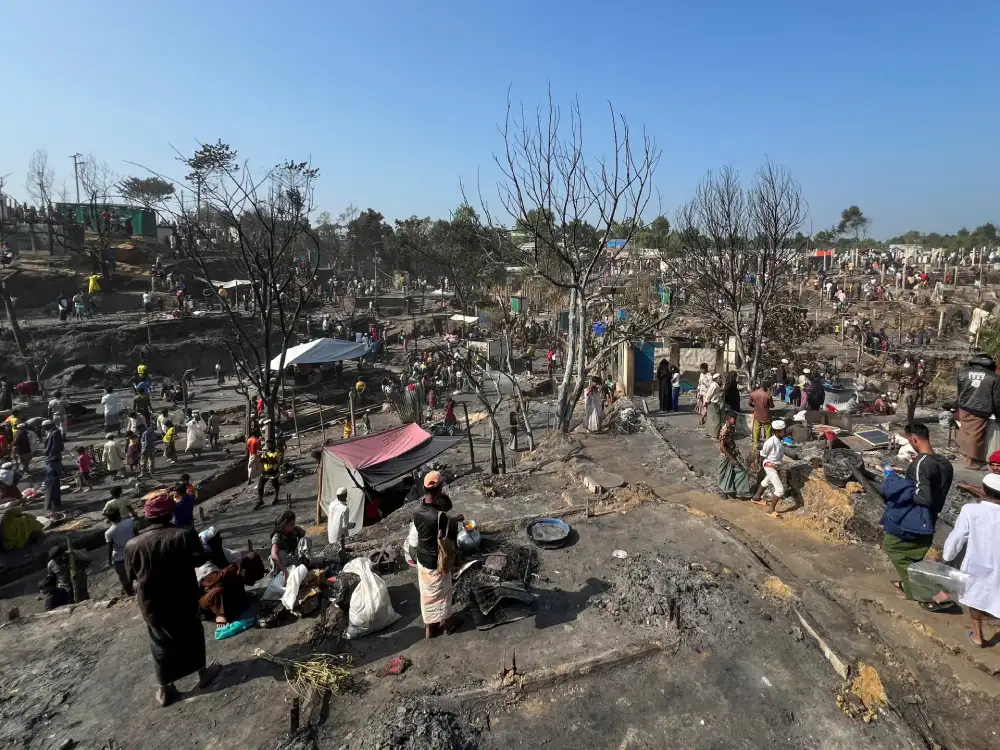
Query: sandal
[(898, 585), (977, 645), (935, 606)]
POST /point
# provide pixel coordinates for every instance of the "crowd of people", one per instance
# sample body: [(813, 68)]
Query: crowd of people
[(914, 497)]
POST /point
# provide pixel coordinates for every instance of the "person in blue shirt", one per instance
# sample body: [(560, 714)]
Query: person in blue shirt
[(184, 502), (147, 450)]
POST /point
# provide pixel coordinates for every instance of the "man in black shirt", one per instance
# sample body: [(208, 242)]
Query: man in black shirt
[(931, 475), (435, 555)]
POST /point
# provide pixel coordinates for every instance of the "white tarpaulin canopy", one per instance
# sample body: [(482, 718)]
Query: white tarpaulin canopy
[(234, 283), (226, 284), (456, 318), (320, 352)]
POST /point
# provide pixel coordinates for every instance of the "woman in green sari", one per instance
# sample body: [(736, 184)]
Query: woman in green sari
[(732, 476)]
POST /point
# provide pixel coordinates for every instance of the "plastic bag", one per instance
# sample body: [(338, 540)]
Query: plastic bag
[(371, 608), (295, 578), (275, 589), (928, 578)]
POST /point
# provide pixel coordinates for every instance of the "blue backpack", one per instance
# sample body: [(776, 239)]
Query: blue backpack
[(903, 518)]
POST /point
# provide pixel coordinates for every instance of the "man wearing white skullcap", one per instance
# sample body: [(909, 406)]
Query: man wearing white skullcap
[(977, 531), (337, 515), (772, 453)]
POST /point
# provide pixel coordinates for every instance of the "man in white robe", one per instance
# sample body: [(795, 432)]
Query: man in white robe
[(977, 531)]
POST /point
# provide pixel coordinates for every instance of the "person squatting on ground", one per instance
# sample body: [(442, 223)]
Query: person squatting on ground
[(285, 545), (772, 453), (63, 566), (162, 561), (224, 578)]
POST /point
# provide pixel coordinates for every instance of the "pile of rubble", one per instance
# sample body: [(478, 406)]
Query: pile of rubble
[(623, 418), (416, 725), (505, 485), (700, 600)]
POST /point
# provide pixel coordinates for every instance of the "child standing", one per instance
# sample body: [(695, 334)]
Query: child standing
[(120, 530), (121, 504), (132, 452), (84, 463), (169, 449), (114, 461)]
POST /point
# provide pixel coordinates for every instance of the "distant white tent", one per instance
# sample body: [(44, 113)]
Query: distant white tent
[(456, 318), (226, 284), (321, 351)]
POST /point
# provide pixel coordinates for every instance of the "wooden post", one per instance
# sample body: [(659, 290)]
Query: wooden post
[(72, 571), (319, 490), (293, 719), (295, 421), (940, 323), (468, 431), (322, 420), (350, 400)]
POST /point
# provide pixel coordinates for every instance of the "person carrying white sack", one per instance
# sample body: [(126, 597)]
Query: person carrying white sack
[(772, 453)]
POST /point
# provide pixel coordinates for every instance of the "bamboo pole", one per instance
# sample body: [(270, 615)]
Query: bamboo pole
[(319, 491), (350, 400), (74, 582), (295, 421), (468, 431), (322, 419)]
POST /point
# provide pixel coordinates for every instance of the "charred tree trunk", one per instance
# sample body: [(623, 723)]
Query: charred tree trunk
[(15, 329)]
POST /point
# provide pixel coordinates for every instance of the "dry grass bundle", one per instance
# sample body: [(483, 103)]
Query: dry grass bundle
[(319, 673)]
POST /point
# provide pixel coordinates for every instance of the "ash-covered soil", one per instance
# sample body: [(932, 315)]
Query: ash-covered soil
[(700, 600)]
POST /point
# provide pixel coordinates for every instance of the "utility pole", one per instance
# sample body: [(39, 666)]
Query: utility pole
[(76, 173)]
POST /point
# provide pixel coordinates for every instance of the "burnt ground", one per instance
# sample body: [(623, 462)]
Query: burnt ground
[(86, 674), (842, 580)]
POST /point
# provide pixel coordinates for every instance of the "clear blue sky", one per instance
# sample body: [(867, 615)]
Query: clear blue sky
[(891, 105)]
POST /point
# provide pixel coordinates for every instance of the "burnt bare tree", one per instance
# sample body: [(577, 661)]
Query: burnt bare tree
[(566, 206), (737, 259), (39, 186), (99, 186), (260, 231)]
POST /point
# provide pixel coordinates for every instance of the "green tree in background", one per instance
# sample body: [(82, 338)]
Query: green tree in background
[(146, 191), (853, 222)]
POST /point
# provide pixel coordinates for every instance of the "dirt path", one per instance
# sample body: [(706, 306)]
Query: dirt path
[(846, 584)]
